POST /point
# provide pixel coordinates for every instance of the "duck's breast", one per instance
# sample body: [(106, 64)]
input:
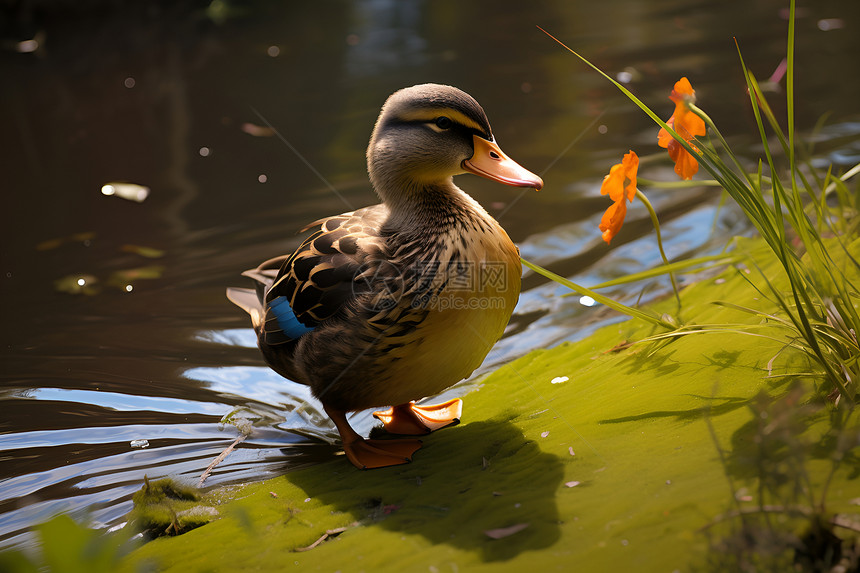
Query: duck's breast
[(465, 293)]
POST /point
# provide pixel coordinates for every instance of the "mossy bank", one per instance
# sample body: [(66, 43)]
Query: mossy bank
[(591, 456)]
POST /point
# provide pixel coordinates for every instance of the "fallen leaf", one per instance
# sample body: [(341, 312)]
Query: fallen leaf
[(503, 532), (620, 346)]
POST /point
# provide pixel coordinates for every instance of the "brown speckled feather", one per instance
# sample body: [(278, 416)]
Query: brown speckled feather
[(319, 278)]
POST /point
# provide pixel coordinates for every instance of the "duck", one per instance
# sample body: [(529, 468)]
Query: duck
[(389, 304)]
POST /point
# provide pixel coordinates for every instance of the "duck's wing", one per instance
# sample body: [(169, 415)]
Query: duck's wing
[(322, 277)]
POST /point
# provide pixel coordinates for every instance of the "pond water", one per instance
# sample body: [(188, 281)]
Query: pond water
[(121, 354)]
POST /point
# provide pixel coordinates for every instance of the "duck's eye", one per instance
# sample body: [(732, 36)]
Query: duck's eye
[(443, 122)]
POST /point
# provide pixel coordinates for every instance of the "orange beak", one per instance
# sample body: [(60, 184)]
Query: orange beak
[(489, 161)]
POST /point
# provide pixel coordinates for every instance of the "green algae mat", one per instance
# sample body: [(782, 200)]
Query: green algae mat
[(592, 456)]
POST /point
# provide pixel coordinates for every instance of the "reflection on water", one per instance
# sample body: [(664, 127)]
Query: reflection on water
[(182, 102)]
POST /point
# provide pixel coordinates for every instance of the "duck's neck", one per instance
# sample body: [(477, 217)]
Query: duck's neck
[(437, 207), (418, 200)]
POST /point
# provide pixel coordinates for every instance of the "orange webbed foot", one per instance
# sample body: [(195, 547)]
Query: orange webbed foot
[(413, 420), (370, 454)]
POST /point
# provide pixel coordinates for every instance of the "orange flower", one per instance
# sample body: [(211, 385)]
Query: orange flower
[(620, 185), (687, 125)]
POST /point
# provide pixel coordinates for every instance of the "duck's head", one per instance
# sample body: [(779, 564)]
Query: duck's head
[(428, 133)]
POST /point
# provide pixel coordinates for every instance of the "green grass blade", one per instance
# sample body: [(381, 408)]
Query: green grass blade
[(718, 260), (602, 299)]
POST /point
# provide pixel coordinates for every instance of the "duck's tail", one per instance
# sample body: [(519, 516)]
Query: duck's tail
[(247, 300), (251, 300)]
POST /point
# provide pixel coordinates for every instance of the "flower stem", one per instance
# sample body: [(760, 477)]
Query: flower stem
[(656, 223)]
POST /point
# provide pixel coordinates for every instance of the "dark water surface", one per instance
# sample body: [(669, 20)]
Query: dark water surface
[(115, 324)]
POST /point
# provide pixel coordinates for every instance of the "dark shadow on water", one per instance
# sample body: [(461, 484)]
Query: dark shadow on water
[(464, 481)]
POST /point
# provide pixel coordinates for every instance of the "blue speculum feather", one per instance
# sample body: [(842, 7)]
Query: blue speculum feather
[(287, 319)]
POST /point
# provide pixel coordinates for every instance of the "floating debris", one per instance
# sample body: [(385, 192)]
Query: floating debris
[(572, 483), (130, 191), (49, 244), (257, 130), (27, 46), (570, 451), (828, 24), (148, 252), (544, 434), (208, 471), (83, 238), (559, 380), (139, 444), (77, 284), (628, 75), (124, 279)]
